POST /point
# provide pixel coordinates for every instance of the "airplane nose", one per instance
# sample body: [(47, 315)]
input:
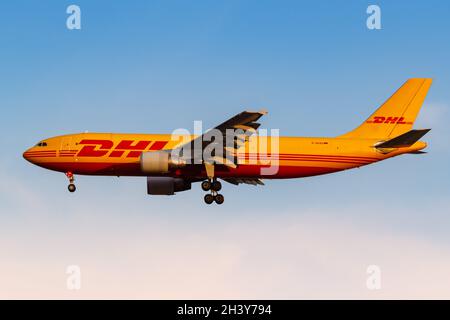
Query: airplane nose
[(26, 155)]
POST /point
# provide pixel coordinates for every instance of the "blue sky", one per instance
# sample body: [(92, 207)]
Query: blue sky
[(153, 66)]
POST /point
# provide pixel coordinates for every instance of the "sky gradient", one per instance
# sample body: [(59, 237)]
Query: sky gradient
[(154, 66)]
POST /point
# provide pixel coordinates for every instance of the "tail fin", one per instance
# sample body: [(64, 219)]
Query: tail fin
[(397, 115)]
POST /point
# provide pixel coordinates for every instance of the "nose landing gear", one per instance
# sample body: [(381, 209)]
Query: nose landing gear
[(71, 187), (214, 186)]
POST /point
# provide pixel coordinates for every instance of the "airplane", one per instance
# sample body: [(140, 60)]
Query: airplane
[(385, 134)]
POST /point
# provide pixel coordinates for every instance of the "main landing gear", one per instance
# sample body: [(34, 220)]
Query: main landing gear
[(71, 185), (214, 186)]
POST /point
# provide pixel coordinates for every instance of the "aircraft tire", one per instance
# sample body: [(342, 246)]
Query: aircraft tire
[(209, 198), (216, 186), (206, 185), (219, 198), (71, 187)]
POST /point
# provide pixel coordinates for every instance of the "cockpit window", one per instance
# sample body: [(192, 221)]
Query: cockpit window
[(41, 144)]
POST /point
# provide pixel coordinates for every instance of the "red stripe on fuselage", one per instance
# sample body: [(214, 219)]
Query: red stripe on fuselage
[(40, 152), (133, 169), (308, 155)]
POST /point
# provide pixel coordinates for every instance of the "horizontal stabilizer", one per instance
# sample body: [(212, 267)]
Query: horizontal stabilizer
[(404, 140)]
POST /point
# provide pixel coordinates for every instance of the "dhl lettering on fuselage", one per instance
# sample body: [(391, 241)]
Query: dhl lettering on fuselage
[(389, 120), (132, 148)]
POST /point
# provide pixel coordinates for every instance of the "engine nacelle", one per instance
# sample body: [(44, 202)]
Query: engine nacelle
[(166, 185), (156, 162)]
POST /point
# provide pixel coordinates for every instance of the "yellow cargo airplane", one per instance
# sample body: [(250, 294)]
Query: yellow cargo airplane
[(172, 166)]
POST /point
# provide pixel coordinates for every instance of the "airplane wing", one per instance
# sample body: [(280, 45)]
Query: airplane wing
[(252, 181), (233, 133)]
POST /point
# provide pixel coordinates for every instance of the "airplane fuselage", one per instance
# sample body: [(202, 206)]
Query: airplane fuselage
[(236, 151), (113, 154)]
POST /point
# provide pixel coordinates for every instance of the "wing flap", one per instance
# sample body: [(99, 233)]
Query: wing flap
[(252, 181), (237, 130)]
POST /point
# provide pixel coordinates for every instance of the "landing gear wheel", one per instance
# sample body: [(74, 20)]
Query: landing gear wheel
[(216, 186), (219, 198), (209, 198), (206, 185), (71, 187), (71, 178)]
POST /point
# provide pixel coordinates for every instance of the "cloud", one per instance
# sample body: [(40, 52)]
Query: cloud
[(130, 246), (287, 255)]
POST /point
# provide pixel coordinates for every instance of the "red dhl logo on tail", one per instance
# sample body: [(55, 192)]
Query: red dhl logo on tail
[(391, 120), (100, 148)]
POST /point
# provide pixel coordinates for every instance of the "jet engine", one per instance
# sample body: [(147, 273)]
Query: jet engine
[(166, 185), (158, 162)]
